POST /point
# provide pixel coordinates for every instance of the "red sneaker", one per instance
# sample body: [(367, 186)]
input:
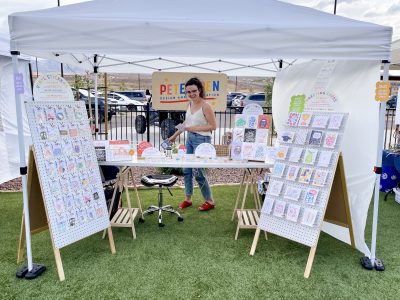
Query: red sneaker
[(206, 206), (185, 204)]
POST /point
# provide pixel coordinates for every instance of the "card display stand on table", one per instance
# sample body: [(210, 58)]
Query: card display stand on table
[(305, 170), (64, 187), (125, 216)]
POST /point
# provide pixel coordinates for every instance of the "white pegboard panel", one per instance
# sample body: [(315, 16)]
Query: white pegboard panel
[(68, 170), (273, 218)]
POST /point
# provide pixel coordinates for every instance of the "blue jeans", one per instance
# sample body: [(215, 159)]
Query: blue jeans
[(192, 141)]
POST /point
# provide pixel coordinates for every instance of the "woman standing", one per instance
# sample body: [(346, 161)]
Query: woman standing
[(199, 123)]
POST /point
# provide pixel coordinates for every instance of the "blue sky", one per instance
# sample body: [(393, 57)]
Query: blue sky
[(383, 12)]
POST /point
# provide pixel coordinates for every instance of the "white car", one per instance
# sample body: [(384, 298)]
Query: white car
[(124, 103)]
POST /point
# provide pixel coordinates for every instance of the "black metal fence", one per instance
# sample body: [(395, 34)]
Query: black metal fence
[(145, 124)]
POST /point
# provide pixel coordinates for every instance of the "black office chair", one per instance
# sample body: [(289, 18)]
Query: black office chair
[(109, 179), (161, 181)]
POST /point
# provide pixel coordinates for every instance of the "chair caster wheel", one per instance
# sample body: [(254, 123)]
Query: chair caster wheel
[(150, 212), (180, 219), (161, 224), (141, 220)]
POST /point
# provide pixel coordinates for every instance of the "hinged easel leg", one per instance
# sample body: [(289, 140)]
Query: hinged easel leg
[(60, 269), (111, 240), (255, 241), (310, 260), (244, 177)]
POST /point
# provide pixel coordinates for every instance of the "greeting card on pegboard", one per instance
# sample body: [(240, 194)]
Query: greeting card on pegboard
[(252, 134), (302, 177), (67, 167)]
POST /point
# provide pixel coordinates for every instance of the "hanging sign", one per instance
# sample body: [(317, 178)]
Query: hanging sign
[(169, 90), (382, 91), (52, 87)]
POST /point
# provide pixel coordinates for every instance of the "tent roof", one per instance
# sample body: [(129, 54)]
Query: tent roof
[(243, 32)]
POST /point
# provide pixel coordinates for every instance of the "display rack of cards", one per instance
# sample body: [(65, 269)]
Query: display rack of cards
[(302, 177), (68, 171)]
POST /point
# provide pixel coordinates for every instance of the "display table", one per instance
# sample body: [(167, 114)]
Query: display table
[(190, 161)]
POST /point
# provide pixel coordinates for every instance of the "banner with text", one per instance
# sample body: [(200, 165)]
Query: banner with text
[(168, 90)]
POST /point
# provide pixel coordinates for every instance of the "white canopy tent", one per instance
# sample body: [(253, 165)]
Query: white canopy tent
[(247, 36)]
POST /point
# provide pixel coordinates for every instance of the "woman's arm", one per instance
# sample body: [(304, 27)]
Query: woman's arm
[(210, 117)]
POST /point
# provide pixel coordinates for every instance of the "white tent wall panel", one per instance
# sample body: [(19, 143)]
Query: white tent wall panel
[(354, 84), (9, 152)]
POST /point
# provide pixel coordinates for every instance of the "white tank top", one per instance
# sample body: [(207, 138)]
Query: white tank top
[(196, 119)]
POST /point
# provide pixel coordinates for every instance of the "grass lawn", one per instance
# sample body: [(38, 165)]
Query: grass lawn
[(199, 258)]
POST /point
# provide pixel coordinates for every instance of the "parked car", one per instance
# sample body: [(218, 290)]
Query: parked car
[(83, 95), (137, 95), (230, 97), (392, 102), (258, 98), (124, 103)]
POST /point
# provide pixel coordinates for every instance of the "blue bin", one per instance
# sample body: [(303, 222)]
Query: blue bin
[(390, 170)]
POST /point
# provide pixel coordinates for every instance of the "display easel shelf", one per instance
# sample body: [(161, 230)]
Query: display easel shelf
[(65, 192), (308, 183)]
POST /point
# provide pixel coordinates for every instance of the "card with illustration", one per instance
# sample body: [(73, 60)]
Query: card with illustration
[(305, 119), (263, 122), (78, 114), (335, 121), (52, 132), (247, 151), (42, 131), (330, 140), (252, 121), (281, 152), (305, 175), (63, 130), (320, 177), (267, 206), (311, 196), (40, 114), (293, 212), (50, 114), (57, 150), (292, 173), (325, 158), (60, 114), (240, 121), (236, 150), (275, 188), (320, 121), (310, 156), (73, 130), (278, 170), (309, 216), (249, 135), (286, 137), (315, 137), (295, 154), (293, 119), (259, 151), (301, 137), (270, 155), (292, 193), (279, 208), (237, 135), (262, 136)]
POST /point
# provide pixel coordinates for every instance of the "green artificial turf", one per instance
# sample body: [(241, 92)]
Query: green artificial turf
[(198, 258)]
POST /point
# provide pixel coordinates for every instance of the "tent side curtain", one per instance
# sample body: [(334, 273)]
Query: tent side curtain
[(253, 29)]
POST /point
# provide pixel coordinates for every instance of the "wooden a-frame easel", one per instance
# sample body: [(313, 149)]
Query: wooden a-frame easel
[(39, 216), (337, 212)]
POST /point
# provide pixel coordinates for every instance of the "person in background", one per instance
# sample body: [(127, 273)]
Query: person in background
[(199, 123)]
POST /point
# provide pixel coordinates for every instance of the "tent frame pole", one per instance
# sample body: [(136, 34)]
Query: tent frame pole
[(375, 262), (96, 102), (32, 270)]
